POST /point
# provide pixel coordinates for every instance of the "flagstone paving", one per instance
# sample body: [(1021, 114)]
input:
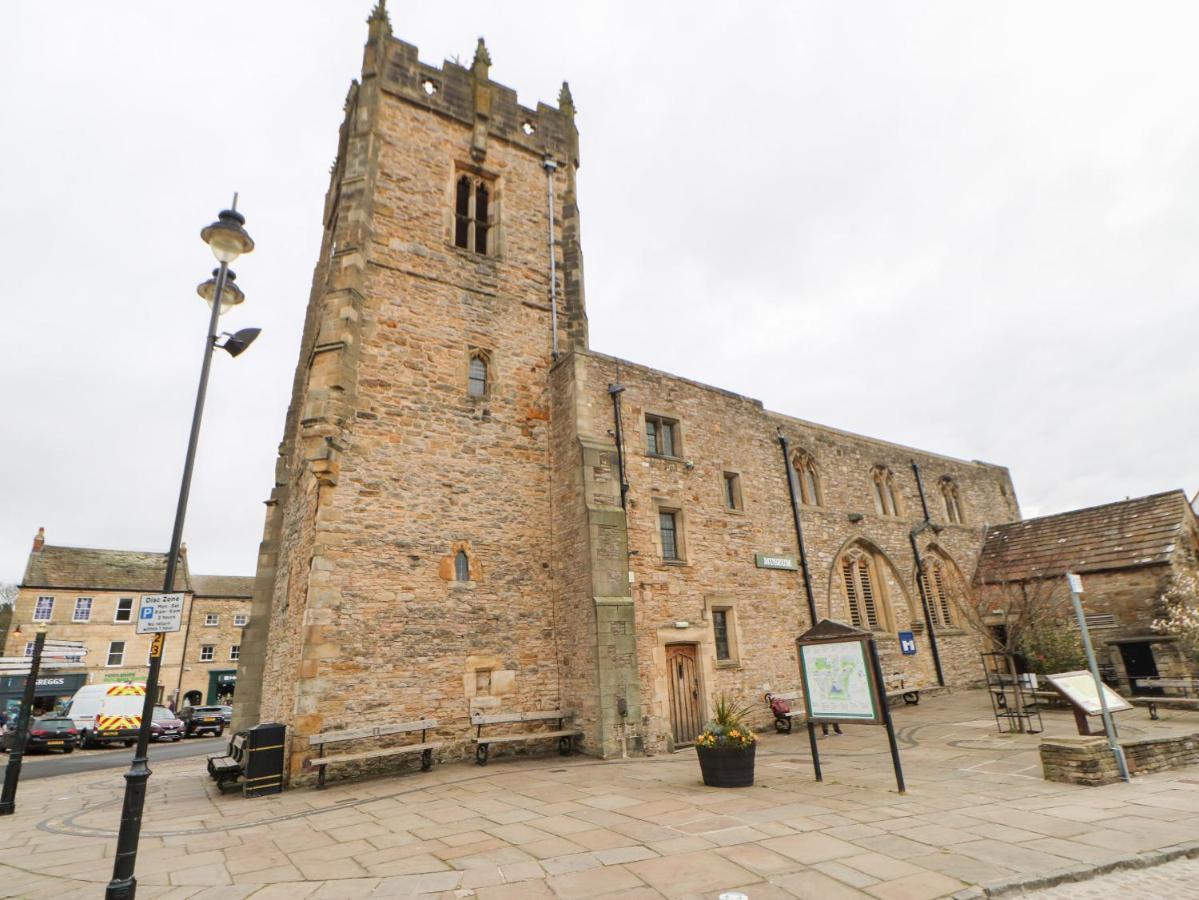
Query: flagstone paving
[(977, 810)]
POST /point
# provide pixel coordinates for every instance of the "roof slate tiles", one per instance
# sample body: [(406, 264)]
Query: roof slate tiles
[(1119, 535), (88, 568)]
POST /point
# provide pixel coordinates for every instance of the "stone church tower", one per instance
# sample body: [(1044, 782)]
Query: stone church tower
[(475, 511), (407, 561)]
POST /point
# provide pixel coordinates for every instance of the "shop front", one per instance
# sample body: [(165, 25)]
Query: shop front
[(51, 692), (220, 687)]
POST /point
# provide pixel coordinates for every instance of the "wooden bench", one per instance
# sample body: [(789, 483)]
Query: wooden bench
[(1153, 703), (895, 685), (225, 768), (784, 721), (1188, 686), (483, 744), (425, 748), (1046, 698)]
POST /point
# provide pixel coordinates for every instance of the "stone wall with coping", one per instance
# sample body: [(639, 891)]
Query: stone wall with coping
[(1088, 760)]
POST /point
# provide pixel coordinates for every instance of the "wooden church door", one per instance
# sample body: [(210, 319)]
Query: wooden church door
[(685, 716)]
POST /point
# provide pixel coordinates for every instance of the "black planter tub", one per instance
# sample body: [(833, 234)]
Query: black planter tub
[(727, 766)]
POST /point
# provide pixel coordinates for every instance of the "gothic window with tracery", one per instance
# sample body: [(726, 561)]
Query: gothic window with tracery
[(953, 502), (886, 493), (938, 590), (808, 478), (867, 606), (474, 214)]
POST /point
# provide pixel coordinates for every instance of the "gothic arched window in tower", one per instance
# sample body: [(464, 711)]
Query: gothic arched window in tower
[(474, 214), (476, 379), (867, 605), (461, 566)]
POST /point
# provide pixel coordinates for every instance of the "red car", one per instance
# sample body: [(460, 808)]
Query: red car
[(166, 726)]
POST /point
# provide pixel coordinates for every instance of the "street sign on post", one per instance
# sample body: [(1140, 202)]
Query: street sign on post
[(159, 613)]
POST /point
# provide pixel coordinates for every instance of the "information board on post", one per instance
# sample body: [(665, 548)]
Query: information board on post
[(160, 613), (1079, 689), (837, 682)]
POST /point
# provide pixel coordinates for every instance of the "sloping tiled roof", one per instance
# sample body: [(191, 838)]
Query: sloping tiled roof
[(223, 585), (1120, 535), (108, 570)]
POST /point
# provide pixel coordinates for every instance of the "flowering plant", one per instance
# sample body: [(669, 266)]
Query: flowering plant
[(727, 728), (1180, 605)]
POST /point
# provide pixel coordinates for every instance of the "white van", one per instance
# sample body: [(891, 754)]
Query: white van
[(107, 713)]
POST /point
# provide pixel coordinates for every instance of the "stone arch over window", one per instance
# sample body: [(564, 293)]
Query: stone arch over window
[(885, 492), (808, 476), (478, 373), (866, 590), (460, 565), (953, 501), (944, 587)]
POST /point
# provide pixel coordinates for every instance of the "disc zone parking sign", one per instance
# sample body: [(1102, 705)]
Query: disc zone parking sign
[(159, 613)]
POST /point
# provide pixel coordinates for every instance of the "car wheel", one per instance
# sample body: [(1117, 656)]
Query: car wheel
[(128, 743), (220, 731), (85, 741), (68, 749)]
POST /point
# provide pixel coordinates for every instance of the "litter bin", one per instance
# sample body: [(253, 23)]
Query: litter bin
[(262, 773)]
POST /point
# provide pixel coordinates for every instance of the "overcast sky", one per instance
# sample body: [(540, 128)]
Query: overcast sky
[(967, 227)]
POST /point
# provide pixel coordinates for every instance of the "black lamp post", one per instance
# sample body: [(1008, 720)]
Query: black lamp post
[(12, 772), (228, 240)]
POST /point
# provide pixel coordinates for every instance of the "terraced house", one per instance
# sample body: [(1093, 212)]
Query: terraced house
[(92, 595), (475, 510)]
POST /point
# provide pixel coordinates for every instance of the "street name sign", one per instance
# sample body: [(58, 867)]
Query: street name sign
[(159, 613)]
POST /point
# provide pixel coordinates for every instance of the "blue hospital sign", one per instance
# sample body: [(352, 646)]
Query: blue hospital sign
[(907, 643)]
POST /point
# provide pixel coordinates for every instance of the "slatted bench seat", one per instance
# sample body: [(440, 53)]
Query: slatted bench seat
[(425, 747), (1187, 686), (1153, 703), (784, 721), (896, 686), (225, 768), (564, 734)]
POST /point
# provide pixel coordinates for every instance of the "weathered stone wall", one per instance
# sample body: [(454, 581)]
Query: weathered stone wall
[(390, 467), (1089, 760), (1130, 597), (723, 432)]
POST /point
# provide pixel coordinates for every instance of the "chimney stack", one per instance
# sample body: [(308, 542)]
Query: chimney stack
[(39, 540)]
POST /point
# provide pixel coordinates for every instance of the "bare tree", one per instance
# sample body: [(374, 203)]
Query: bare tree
[(8, 595)]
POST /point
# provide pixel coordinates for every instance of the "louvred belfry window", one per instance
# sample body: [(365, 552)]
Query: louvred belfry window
[(474, 213)]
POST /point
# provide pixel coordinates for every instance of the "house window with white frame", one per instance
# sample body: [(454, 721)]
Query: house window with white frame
[(235, 652), (83, 610), (211, 620), (241, 620), (116, 653), (124, 611), (207, 652), (43, 609)]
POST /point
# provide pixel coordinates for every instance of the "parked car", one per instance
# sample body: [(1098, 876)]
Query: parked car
[(202, 720), (166, 726), (108, 713), (47, 733), (227, 715)]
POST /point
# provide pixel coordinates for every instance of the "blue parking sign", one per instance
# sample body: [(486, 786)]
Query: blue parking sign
[(907, 643), (146, 612)]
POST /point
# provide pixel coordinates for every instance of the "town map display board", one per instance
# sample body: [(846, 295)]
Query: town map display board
[(837, 682), (1079, 689)]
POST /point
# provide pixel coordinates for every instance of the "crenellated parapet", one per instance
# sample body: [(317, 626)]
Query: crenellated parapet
[(469, 96)]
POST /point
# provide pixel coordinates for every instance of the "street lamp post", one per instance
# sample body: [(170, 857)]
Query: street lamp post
[(12, 773), (228, 240)]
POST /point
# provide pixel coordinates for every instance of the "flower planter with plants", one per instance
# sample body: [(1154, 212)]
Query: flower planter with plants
[(726, 747)]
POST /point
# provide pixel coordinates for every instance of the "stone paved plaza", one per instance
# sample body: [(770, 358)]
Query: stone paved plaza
[(976, 811)]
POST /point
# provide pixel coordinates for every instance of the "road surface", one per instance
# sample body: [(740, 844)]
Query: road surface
[(46, 765)]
